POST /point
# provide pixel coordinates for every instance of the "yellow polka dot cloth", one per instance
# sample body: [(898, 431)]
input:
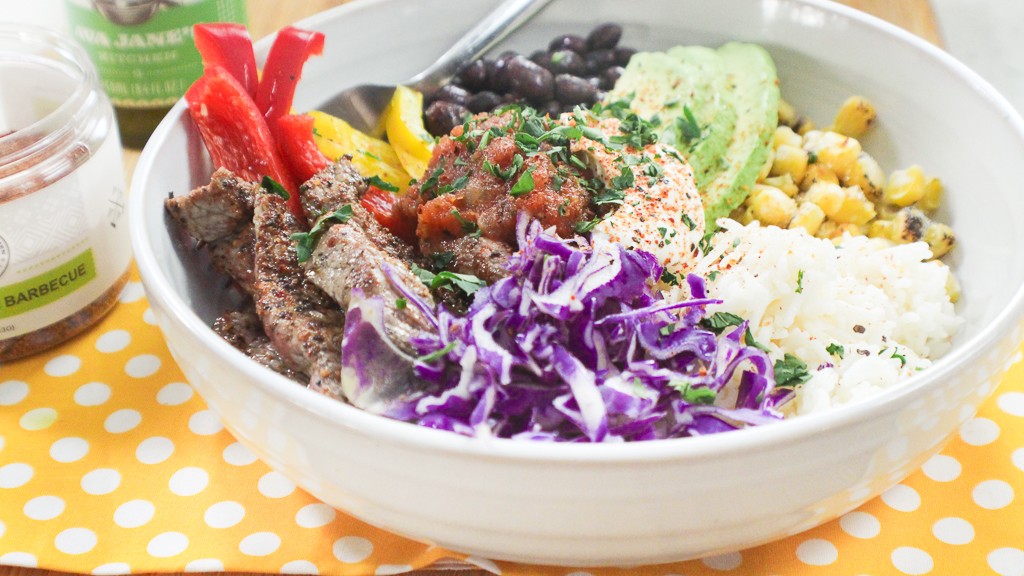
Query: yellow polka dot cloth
[(111, 464)]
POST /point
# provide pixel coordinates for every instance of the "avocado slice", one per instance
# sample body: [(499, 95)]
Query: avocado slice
[(719, 108)]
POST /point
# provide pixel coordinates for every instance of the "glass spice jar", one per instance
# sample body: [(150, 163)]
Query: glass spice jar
[(64, 248)]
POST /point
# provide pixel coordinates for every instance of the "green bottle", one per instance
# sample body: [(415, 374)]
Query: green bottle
[(144, 53)]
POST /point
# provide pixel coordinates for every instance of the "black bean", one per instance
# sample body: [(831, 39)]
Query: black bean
[(568, 42), (623, 54), (500, 81), (530, 80), (572, 90), (610, 76), (604, 36), (594, 81), (473, 76), (540, 56), (567, 62), (442, 116), (484, 102), (452, 93), (600, 60)]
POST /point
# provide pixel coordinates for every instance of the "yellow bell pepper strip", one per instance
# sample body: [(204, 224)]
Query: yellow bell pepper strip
[(370, 156), (406, 133)]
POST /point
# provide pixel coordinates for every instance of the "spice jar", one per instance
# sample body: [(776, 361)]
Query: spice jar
[(64, 248)]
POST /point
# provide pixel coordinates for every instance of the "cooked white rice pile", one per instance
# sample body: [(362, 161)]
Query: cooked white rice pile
[(884, 306)]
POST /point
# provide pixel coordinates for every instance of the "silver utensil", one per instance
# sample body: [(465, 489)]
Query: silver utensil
[(361, 106)]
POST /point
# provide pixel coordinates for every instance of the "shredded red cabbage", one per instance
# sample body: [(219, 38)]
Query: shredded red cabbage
[(574, 345)]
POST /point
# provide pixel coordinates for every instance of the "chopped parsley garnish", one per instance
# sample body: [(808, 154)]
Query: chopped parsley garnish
[(468, 226), (689, 221), (694, 394), (800, 282), (587, 225), (380, 183), (524, 185), (624, 180), (748, 337), (835, 350), (790, 372), (667, 329), (465, 282), (429, 185), (689, 128), (507, 173), (705, 243), (812, 157), (441, 260), (371, 155), (669, 278), (458, 184), (305, 242), (636, 132), (274, 187), (713, 275), (719, 321), (401, 303), (437, 354), (900, 357)]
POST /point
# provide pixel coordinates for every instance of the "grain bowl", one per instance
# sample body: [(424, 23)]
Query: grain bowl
[(642, 502)]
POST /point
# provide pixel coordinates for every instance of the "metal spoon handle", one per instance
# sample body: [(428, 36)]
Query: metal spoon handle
[(488, 32)]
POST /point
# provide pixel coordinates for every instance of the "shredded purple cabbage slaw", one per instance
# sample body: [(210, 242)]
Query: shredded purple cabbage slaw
[(574, 345)]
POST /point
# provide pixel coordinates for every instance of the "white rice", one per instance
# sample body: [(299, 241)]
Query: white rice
[(885, 305)]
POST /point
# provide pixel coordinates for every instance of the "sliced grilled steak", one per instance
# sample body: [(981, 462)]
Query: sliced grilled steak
[(483, 257), (340, 184), (300, 320), (244, 330), (235, 256), (346, 259), (216, 210)]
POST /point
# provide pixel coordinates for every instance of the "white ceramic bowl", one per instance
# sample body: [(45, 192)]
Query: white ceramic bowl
[(645, 502)]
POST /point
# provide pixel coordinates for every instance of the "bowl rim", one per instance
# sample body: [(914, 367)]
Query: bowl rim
[(158, 288)]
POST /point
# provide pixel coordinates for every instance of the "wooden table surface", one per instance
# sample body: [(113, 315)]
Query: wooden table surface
[(266, 16)]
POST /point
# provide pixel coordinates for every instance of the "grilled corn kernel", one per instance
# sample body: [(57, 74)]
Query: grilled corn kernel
[(809, 217), (932, 195), (867, 174), (771, 206), (856, 208), (855, 116), (834, 230), (940, 239), (905, 186), (880, 228), (839, 153), (829, 196), (784, 183), (803, 125), (785, 135), (817, 173), (909, 225), (790, 160)]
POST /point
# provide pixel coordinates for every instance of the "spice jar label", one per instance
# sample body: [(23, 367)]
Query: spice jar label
[(61, 248)]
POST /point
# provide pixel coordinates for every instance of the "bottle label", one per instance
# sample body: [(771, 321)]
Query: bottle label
[(63, 246), (143, 49)]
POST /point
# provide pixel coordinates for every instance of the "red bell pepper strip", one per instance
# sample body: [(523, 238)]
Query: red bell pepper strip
[(283, 68), (294, 136), (234, 131), (381, 204), (228, 45)]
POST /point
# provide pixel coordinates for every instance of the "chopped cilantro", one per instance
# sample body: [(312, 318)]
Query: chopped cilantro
[(694, 394), (688, 221), (305, 242), (624, 180), (790, 372), (458, 184), (441, 260), (667, 329), (669, 278), (900, 357), (524, 185), (800, 282), (836, 350), (274, 187), (688, 127), (429, 185), (587, 226), (401, 303), (465, 282), (468, 226), (748, 337), (713, 275), (380, 183), (507, 173), (719, 321), (812, 157)]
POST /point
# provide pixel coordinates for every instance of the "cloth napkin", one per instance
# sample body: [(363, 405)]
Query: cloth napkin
[(111, 464)]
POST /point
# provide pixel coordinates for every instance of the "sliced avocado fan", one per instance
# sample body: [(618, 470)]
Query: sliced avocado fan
[(719, 108)]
